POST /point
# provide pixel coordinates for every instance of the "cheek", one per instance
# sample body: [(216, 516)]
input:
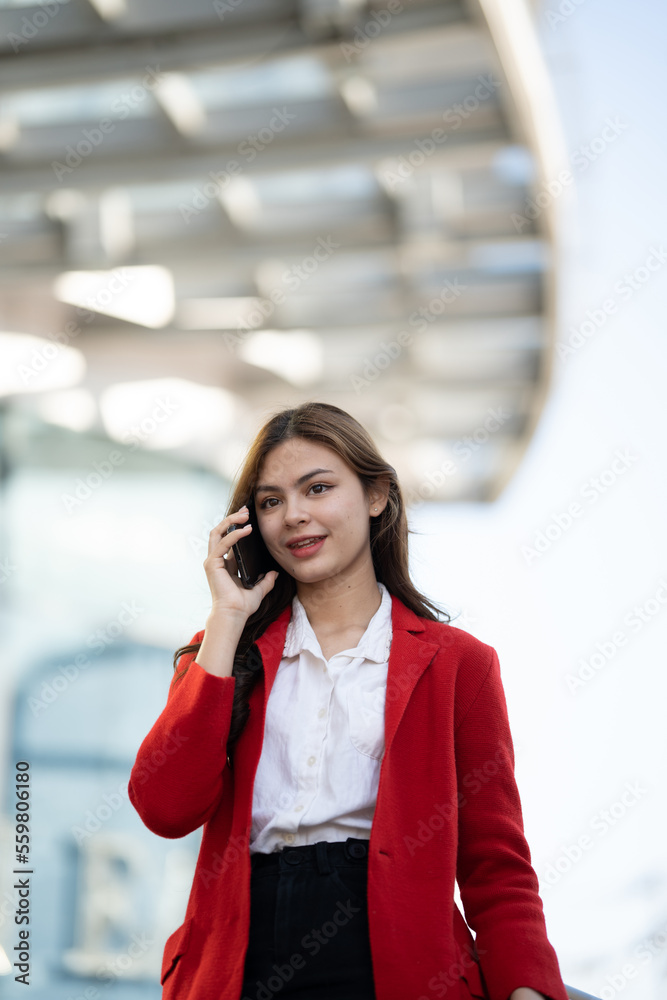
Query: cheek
[(341, 517), (264, 528), (352, 522), (267, 532)]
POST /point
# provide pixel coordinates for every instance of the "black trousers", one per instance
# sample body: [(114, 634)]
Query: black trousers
[(309, 924)]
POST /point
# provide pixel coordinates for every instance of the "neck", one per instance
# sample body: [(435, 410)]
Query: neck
[(335, 605)]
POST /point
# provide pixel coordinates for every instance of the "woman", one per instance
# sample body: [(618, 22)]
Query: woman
[(348, 753)]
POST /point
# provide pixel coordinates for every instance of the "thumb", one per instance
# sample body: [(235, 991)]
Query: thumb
[(267, 580)]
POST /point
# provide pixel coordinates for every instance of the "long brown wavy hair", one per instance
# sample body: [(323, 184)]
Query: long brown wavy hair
[(328, 425)]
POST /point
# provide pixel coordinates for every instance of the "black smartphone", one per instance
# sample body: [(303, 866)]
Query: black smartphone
[(251, 554)]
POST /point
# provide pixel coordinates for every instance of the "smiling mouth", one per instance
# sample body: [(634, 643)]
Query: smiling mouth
[(307, 542)]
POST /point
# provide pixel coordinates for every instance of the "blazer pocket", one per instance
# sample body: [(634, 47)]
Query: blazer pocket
[(175, 947), (468, 959), (365, 714), (472, 977)]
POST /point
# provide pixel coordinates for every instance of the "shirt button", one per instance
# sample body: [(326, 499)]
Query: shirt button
[(298, 809), (311, 760), (289, 838), (322, 712)]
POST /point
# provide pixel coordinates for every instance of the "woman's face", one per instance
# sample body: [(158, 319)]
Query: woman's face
[(305, 489)]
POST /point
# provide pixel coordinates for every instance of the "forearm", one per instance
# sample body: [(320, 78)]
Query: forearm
[(221, 638), (526, 993)]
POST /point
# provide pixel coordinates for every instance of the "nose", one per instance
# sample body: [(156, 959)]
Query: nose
[(293, 512)]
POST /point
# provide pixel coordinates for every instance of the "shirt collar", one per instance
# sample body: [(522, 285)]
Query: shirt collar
[(373, 645)]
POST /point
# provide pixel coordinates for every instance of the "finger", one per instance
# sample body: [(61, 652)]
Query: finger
[(266, 581), (237, 516), (230, 562), (225, 546), (221, 553), (221, 541)]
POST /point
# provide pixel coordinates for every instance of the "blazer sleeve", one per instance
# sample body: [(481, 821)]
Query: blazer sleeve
[(178, 776), (498, 885)]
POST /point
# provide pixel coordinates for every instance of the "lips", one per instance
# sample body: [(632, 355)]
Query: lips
[(305, 541)]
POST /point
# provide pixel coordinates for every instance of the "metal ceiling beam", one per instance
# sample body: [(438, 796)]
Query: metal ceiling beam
[(217, 45), (408, 258), (463, 152), (490, 349)]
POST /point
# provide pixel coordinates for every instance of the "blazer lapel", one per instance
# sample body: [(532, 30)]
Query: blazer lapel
[(409, 656)]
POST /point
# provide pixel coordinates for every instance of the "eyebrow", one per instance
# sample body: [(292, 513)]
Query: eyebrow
[(298, 482)]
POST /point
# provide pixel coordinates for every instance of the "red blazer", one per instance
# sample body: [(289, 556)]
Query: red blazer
[(447, 808)]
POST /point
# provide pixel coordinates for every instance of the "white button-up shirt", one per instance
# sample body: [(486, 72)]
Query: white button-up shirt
[(318, 773)]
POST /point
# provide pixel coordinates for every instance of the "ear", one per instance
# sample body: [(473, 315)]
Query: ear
[(378, 497)]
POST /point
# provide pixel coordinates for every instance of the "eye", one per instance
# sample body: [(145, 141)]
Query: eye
[(321, 488)]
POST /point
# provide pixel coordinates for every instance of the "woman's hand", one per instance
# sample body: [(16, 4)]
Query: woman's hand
[(526, 993), (230, 598)]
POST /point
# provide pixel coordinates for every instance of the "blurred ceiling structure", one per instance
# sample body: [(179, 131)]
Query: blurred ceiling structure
[(237, 205)]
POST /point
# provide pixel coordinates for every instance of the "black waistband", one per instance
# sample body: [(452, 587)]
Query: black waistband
[(353, 850)]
